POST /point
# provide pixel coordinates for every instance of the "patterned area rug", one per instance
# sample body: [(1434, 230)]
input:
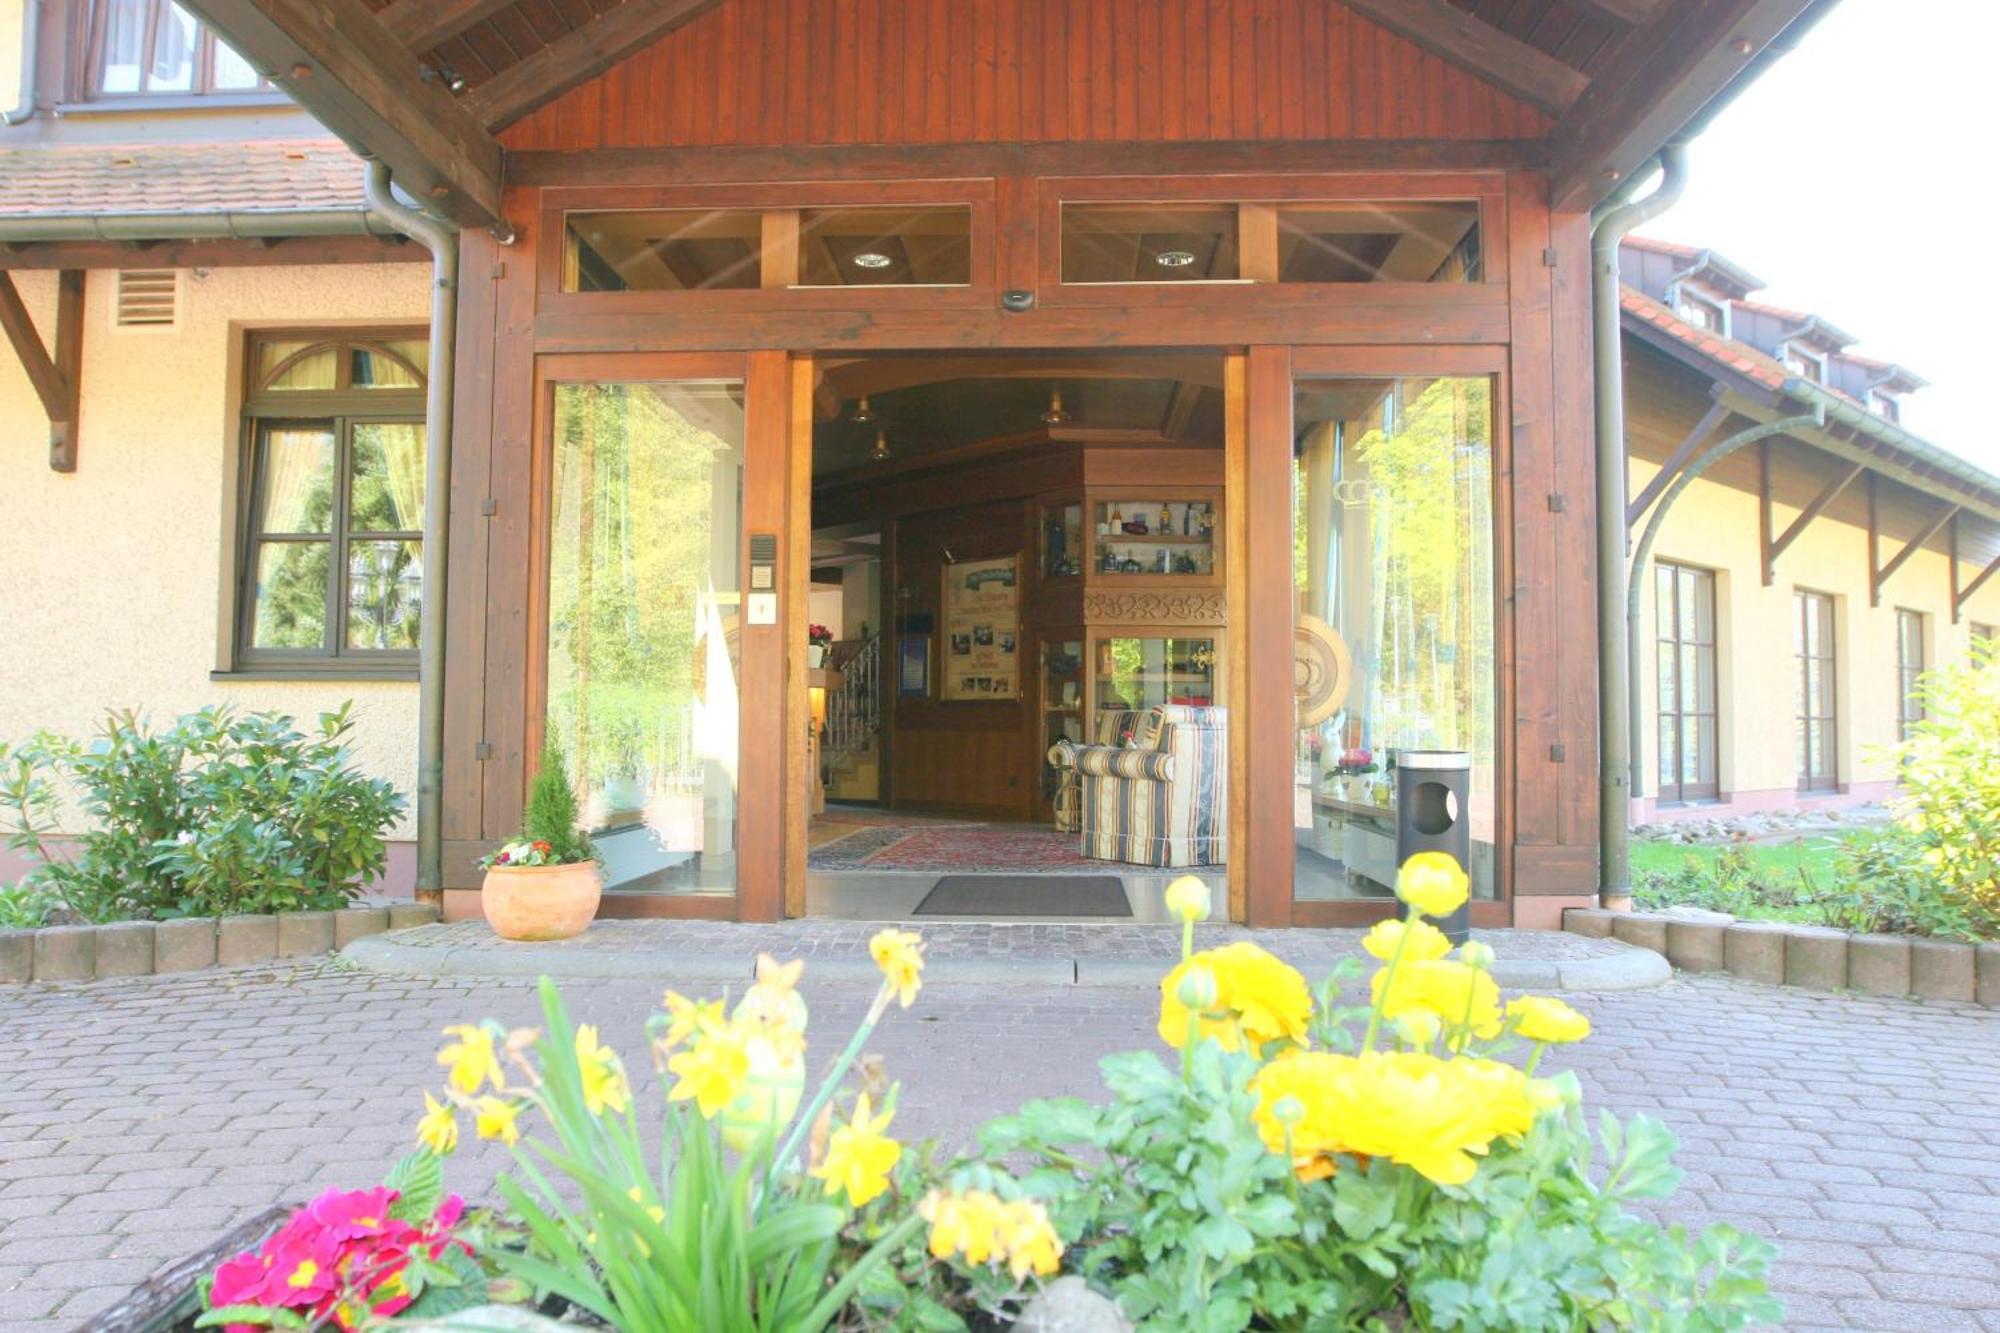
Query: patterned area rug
[(967, 848)]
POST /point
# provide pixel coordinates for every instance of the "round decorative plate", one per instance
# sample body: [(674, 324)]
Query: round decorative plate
[(1322, 670)]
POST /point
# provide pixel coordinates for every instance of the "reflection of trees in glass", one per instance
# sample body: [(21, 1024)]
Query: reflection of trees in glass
[(1430, 478), (291, 595), (633, 553)]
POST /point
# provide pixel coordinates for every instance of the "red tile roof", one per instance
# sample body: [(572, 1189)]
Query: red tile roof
[(1674, 248), (270, 176), (1739, 357)]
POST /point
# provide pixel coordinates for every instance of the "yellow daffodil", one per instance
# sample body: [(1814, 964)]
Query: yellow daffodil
[(1433, 883), (1259, 999), (1459, 996), (686, 1016), (900, 955), (964, 1224), (859, 1156), (603, 1074), (495, 1118), (1544, 1018), (1432, 1115), (1425, 940), (471, 1058), (768, 1096), (713, 1069), (438, 1130), (1188, 899)]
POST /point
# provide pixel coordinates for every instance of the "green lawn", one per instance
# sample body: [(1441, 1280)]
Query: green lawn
[(1773, 860)]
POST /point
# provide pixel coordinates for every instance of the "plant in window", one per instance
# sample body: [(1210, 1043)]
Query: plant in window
[(544, 885)]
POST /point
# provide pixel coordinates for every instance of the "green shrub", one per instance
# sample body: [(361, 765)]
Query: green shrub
[(1949, 802), (220, 813), (23, 907), (551, 825)]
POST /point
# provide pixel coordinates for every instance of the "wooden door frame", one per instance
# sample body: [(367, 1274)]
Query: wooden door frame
[(760, 674), (1270, 431)]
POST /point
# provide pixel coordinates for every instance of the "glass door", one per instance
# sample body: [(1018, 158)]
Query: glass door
[(1393, 616), (645, 487)]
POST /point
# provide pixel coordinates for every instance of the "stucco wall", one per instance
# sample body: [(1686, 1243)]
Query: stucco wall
[(110, 577), (1715, 527), (11, 13)]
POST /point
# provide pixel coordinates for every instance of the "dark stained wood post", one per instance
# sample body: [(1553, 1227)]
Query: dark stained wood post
[(1262, 731)]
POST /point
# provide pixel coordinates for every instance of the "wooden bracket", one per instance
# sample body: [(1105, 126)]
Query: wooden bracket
[(1879, 574), (56, 376), (1960, 596), (1775, 547)]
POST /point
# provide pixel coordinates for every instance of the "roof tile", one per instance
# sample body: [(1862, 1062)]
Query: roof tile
[(269, 176)]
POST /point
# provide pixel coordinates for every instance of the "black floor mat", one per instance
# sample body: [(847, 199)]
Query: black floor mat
[(1026, 895)]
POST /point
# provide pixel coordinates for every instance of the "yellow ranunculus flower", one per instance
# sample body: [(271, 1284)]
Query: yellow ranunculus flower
[(438, 1130), (604, 1086), (1188, 899), (1544, 1018), (713, 1069), (1030, 1240), (965, 1224), (900, 955), (1417, 1029), (495, 1117), (1261, 995), (1433, 883), (472, 1059), (859, 1156), (1459, 996), (1431, 1115), (1426, 941)]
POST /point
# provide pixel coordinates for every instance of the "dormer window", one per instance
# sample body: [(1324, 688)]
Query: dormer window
[(1703, 314), (154, 48), (1805, 365), (1886, 407)]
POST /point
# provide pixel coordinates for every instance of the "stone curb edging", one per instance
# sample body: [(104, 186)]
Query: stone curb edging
[(1629, 969), (156, 948), (1812, 957)]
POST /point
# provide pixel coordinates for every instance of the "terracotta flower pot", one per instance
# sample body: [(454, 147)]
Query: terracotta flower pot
[(541, 902)]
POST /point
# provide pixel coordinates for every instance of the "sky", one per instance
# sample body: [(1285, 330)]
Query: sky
[(1847, 177)]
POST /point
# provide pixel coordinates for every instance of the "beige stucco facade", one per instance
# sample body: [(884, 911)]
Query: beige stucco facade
[(115, 579), (1716, 527)]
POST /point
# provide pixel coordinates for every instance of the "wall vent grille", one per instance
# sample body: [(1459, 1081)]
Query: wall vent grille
[(149, 298)]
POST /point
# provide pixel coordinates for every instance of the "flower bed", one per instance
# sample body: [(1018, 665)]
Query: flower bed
[(1288, 1160)]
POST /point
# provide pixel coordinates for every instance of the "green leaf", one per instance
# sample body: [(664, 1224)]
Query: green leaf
[(418, 1179), (262, 1315)]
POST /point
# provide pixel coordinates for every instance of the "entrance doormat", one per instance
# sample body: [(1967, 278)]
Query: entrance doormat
[(1026, 895)]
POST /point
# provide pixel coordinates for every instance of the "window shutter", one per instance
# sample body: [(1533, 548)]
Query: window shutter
[(149, 298)]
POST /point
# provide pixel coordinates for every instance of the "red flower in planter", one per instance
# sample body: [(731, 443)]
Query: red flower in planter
[(542, 846), (353, 1214)]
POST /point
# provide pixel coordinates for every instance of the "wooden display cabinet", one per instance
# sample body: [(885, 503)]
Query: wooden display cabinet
[(1163, 536)]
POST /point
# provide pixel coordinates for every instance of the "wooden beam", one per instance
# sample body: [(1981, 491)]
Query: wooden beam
[(1180, 410), (422, 24), (553, 70), (1257, 241), (1662, 73), (339, 63), (1964, 595), (1676, 461), (1879, 576), (1459, 38), (1798, 525), (219, 253), (1627, 13), (779, 263), (54, 374)]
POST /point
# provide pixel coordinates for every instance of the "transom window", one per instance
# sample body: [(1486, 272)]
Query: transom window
[(142, 48), (332, 560), (1344, 241)]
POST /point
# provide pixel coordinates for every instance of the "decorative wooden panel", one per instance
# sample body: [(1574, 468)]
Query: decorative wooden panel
[(764, 72)]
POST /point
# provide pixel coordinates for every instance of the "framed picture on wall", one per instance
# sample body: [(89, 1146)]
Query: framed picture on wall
[(982, 616), (913, 666)]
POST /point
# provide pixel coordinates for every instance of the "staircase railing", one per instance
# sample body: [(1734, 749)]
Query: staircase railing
[(854, 710)]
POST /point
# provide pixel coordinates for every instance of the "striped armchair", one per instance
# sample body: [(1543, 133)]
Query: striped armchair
[(1113, 727), (1164, 800)]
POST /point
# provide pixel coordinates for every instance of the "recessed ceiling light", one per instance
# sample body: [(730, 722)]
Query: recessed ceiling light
[(1174, 258), (1055, 416), (872, 259), (880, 453), (863, 415)]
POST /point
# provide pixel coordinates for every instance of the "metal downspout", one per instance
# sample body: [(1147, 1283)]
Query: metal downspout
[(441, 239), (31, 64), (1615, 727)]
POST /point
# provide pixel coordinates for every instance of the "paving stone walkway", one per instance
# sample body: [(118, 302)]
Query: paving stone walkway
[(138, 1119)]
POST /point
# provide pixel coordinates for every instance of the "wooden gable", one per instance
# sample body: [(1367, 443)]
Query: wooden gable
[(838, 72)]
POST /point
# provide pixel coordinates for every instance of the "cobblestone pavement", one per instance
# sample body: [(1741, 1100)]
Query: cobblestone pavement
[(138, 1119)]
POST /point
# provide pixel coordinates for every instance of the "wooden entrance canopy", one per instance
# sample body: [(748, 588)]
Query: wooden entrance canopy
[(1588, 89)]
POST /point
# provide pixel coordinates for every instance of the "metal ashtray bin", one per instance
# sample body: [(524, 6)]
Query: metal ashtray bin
[(1433, 789)]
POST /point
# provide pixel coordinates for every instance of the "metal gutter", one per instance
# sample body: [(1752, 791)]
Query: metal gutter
[(441, 239), (225, 225), (1617, 771), (31, 64), (1888, 432)]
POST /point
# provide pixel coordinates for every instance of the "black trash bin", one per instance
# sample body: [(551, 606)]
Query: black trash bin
[(1433, 788)]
